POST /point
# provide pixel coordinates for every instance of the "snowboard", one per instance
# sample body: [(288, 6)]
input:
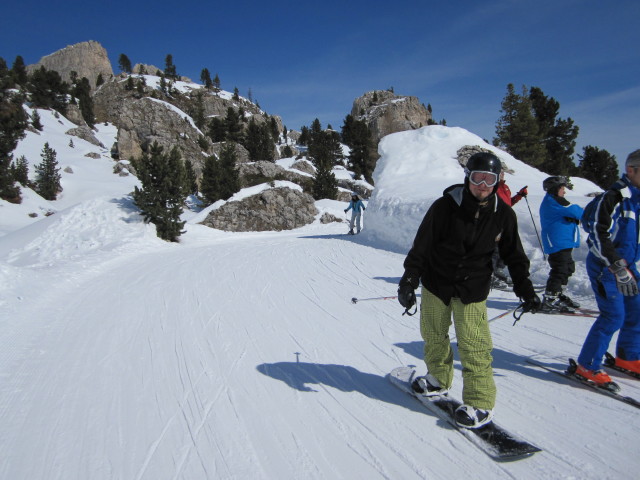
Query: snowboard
[(492, 439)]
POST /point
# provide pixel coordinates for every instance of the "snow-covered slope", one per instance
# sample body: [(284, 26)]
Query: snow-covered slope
[(241, 355)]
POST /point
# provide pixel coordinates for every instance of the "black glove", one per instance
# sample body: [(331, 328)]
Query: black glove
[(531, 304), (406, 296), (345, 211), (523, 192), (406, 291), (625, 281)]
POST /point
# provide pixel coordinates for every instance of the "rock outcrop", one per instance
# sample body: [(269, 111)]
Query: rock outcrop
[(385, 112), (280, 208), (87, 59), (255, 173)]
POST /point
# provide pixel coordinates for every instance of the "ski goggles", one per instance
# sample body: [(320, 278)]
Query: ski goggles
[(478, 177)]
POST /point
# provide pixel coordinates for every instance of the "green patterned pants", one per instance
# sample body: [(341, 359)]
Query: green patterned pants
[(474, 346)]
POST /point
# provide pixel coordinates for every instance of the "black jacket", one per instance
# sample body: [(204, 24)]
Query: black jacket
[(452, 250)]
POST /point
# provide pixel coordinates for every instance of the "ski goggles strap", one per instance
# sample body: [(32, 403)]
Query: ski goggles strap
[(478, 177)]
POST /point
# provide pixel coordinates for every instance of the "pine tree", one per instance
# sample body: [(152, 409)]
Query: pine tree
[(217, 130), (13, 123), (258, 141), (517, 130), (216, 83), (210, 182), (6, 79), (19, 71), (161, 197), (191, 180), (124, 63), (205, 78), (48, 90), (305, 136), (357, 136), (558, 135), (599, 166), (170, 69), (82, 91), (229, 178), (324, 146), (21, 171), (48, 174), (325, 184), (236, 94), (233, 126), (197, 111), (35, 120)]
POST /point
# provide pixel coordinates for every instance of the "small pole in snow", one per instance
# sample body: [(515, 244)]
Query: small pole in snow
[(297, 354)]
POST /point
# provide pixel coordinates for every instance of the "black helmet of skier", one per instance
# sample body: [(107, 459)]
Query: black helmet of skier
[(484, 162), (552, 184)]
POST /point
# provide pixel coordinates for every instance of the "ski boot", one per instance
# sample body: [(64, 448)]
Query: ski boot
[(630, 367), (598, 378), (467, 416), (569, 302), (351, 232), (552, 303), (428, 386)]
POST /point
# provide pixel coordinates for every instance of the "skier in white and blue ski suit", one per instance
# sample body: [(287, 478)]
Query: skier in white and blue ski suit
[(614, 250), (357, 207)]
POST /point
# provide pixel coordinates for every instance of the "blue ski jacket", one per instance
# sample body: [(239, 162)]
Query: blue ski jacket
[(617, 229), (357, 206), (559, 224)]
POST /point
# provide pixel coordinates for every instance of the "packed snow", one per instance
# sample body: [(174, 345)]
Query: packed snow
[(241, 355)]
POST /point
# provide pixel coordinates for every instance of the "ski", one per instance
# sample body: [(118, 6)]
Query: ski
[(568, 373), (495, 441), (610, 362), (577, 313)]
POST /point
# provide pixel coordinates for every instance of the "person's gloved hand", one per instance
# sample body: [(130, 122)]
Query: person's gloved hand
[(345, 210), (406, 296), (625, 281), (406, 293), (531, 304), (523, 192)]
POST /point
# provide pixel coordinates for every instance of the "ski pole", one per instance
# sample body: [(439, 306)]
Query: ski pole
[(535, 228), (505, 313), (356, 300)]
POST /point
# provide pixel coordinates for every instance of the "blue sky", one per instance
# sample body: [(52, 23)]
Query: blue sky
[(305, 60)]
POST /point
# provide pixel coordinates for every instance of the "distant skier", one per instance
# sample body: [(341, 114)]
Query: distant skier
[(504, 192), (501, 278), (560, 235), (451, 254), (357, 207), (614, 250)]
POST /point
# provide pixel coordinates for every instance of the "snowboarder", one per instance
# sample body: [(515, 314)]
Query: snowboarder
[(357, 207), (614, 250), (451, 254), (501, 278), (560, 235)]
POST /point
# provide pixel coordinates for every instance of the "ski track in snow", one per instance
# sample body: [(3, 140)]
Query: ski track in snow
[(243, 357)]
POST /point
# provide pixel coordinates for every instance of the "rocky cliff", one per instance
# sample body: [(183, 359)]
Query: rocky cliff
[(87, 59), (385, 112)]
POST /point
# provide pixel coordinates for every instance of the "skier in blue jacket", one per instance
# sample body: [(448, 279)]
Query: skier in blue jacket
[(560, 235), (612, 265), (357, 207)]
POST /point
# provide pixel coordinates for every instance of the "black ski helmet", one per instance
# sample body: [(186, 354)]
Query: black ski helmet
[(483, 162), (553, 184)]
